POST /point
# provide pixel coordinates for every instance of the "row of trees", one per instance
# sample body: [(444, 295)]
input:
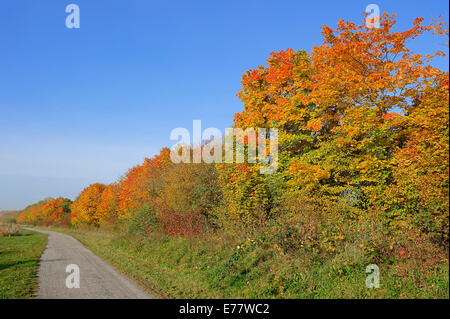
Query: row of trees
[(363, 126), (46, 212), (182, 197)]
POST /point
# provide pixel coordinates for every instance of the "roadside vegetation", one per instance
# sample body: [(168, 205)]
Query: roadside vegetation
[(212, 267), (20, 252), (362, 179)]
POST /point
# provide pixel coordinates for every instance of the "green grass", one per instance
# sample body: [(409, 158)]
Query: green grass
[(192, 268), (19, 260)]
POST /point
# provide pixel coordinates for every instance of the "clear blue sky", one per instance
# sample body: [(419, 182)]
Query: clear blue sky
[(83, 105)]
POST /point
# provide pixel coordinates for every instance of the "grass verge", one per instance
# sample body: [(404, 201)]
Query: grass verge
[(19, 260), (191, 268)]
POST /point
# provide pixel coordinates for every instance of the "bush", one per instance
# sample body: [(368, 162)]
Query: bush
[(185, 224), (143, 221)]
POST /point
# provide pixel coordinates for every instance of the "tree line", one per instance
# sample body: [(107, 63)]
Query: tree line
[(363, 135)]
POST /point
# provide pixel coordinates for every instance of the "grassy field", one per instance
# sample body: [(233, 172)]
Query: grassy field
[(191, 268), (19, 258)]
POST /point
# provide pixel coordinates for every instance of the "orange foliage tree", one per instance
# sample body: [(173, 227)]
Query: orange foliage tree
[(108, 207), (141, 184), (85, 206)]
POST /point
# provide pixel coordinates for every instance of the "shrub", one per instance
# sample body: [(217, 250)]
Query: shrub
[(185, 224), (143, 221)]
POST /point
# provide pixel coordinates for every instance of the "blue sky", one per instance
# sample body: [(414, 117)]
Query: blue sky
[(79, 106)]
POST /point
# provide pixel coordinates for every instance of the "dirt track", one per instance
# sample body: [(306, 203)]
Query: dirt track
[(98, 280)]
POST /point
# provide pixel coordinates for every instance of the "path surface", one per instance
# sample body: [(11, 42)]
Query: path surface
[(98, 280)]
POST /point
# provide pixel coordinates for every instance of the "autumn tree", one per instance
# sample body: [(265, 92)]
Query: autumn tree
[(85, 207), (273, 96), (365, 80), (141, 183), (341, 115), (108, 206), (420, 189)]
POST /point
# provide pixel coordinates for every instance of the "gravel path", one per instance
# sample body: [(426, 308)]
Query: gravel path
[(98, 280)]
